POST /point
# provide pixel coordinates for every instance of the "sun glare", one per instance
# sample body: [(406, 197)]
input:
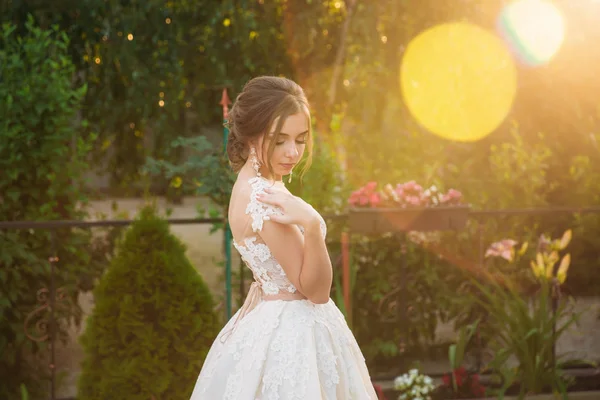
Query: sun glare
[(534, 29)]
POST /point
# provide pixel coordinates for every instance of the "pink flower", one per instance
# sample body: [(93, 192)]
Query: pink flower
[(399, 192), (374, 199), (354, 198), (410, 185), (413, 200), (503, 249), (402, 195), (544, 243), (454, 194), (370, 186)]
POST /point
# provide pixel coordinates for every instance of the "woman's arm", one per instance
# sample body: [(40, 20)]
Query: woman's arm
[(304, 259)]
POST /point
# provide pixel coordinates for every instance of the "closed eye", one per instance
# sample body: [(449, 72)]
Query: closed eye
[(299, 141)]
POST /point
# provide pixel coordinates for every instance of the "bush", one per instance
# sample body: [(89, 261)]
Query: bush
[(153, 322), (41, 161), (398, 299)]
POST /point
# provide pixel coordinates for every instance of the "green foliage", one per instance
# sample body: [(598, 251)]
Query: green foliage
[(527, 327), (584, 189), (24, 393), (456, 351), (546, 154), (41, 159), (205, 172), (153, 321), (183, 53), (39, 124), (510, 170), (398, 299), (324, 185), (583, 275)]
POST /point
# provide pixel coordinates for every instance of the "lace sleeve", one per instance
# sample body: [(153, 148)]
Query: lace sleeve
[(259, 211)]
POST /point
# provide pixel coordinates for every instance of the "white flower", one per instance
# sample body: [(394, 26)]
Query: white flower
[(398, 382), (415, 386)]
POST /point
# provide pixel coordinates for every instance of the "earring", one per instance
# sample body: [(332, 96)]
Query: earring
[(254, 161), (290, 178)]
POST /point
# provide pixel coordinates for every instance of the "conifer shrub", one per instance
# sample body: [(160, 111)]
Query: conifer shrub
[(153, 321)]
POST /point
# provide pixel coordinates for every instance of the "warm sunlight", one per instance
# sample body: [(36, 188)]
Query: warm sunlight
[(534, 29), (458, 81)]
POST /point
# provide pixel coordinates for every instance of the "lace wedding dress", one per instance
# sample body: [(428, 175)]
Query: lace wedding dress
[(278, 347)]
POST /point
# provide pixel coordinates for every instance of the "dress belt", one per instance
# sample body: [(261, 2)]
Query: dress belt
[(255, 295)]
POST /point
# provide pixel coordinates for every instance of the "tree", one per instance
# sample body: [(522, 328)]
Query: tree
[(155, 71)]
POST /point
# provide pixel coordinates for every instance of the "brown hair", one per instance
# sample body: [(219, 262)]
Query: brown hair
[(262, 101)]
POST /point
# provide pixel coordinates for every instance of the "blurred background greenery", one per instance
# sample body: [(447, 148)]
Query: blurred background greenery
[(105, 98)]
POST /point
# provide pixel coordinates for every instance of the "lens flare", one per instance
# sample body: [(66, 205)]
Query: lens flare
[(534, 30), (458, 81)]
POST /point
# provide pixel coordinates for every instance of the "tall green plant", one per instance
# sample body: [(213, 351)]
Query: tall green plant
[(153, 321), (42, 157), (527, 328)]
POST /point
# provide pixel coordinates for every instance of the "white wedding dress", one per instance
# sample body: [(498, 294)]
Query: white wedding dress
[(277, 347)]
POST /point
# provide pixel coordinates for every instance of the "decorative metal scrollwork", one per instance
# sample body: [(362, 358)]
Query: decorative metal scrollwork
[(38, 324)]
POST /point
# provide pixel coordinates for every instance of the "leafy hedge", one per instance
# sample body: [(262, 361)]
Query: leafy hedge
[(41, 159)]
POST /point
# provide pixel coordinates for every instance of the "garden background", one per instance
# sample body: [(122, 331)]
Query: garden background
[(110, 104)]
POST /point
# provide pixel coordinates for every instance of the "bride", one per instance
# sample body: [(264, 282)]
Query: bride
[(288, 340)]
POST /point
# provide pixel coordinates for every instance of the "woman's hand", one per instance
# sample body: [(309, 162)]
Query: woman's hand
[(295, 210)]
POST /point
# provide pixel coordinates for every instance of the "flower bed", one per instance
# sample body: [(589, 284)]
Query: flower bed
[(406, 207)]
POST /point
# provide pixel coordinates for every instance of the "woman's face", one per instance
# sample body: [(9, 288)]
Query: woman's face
[(289, 147)]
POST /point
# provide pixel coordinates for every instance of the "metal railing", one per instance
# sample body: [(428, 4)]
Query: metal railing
[(51, 297)]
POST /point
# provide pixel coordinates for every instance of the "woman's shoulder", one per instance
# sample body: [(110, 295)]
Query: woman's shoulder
[(245, 194)]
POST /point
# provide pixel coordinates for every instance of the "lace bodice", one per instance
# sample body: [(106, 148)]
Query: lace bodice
[(267, 272)]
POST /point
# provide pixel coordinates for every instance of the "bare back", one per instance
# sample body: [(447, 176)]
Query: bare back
[(273, 251)]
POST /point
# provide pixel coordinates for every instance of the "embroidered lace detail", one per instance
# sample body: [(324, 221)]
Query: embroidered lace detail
[(259, 212), (265, 268), (267, 271), (282, 348)]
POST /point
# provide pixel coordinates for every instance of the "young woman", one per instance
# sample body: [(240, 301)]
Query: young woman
[(289, 340)]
